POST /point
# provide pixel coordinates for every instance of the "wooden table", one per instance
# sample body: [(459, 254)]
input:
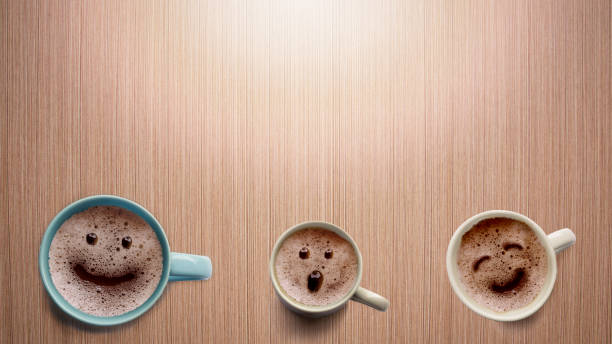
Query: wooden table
[(233, 120)]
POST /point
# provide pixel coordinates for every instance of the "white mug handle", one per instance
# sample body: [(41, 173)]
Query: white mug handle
[(370, 298), (561, 239)]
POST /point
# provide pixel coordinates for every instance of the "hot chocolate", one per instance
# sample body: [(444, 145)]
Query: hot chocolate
[(502, 264), (105, 261), (316, 267)]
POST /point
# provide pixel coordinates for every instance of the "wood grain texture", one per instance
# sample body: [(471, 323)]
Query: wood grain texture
[(232, 121)]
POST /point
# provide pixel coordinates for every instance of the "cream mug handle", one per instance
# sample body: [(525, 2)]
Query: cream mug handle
[(561, 239), (370, 298)]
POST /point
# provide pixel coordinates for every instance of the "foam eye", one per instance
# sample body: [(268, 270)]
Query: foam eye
[(126, 242), (304, 253), (510, 245), (329, 253), (91, 238), (479, 261)]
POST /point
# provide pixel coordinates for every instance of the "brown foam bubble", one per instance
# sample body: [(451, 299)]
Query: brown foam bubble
[(105, 279), (502, 264), (338, 273)]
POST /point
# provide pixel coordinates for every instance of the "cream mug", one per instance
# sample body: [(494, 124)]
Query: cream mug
[(553, 243), (356, 293)]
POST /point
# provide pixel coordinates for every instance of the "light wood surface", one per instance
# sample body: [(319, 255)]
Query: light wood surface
[(233, 120)]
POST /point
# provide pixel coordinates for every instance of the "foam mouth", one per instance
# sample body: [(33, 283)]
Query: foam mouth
[(102, 280), (514, 283)]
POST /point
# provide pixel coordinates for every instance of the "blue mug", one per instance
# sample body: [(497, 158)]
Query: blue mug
[(176, 266)]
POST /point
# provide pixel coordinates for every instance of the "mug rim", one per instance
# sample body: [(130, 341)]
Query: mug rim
[(314, 310), (82, 205), (457, 285)]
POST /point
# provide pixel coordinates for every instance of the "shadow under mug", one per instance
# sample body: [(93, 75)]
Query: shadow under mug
[(553, 243), (357, 293), (176, 266)]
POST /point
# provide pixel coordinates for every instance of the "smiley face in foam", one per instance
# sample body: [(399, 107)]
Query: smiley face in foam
[(502, 263), (105, 261)]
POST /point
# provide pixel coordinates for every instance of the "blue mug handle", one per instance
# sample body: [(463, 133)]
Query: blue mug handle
[(189, 267)]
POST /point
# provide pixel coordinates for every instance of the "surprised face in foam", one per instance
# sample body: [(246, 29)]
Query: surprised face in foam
[(316, 266), (103, 254)]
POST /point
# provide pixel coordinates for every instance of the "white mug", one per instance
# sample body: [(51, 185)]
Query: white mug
[(356, 293), (553, 243)]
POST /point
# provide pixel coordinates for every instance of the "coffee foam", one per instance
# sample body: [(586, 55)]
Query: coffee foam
[(495, 271), (339, 272), (107, 258)]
